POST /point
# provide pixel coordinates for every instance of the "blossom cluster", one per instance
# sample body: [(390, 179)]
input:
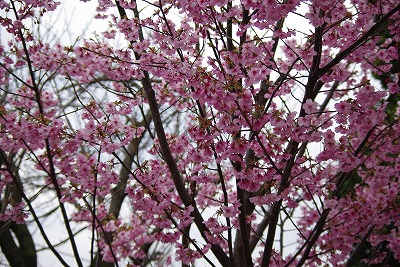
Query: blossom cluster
[(216, 123)]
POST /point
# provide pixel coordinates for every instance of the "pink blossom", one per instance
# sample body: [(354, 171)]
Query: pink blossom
[(176, 134), (231, 211), (310, 106)]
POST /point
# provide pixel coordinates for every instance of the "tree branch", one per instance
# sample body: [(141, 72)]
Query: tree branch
[(382, 23)]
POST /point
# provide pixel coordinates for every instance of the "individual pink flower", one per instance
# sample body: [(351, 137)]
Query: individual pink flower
[(231, 211), (310, 106)]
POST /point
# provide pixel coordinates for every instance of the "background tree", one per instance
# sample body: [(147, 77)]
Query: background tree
[(222, 125)]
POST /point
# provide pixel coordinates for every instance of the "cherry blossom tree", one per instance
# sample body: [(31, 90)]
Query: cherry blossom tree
[(224, 133)]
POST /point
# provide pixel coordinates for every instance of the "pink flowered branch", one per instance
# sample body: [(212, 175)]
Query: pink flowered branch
[(204, 122)]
